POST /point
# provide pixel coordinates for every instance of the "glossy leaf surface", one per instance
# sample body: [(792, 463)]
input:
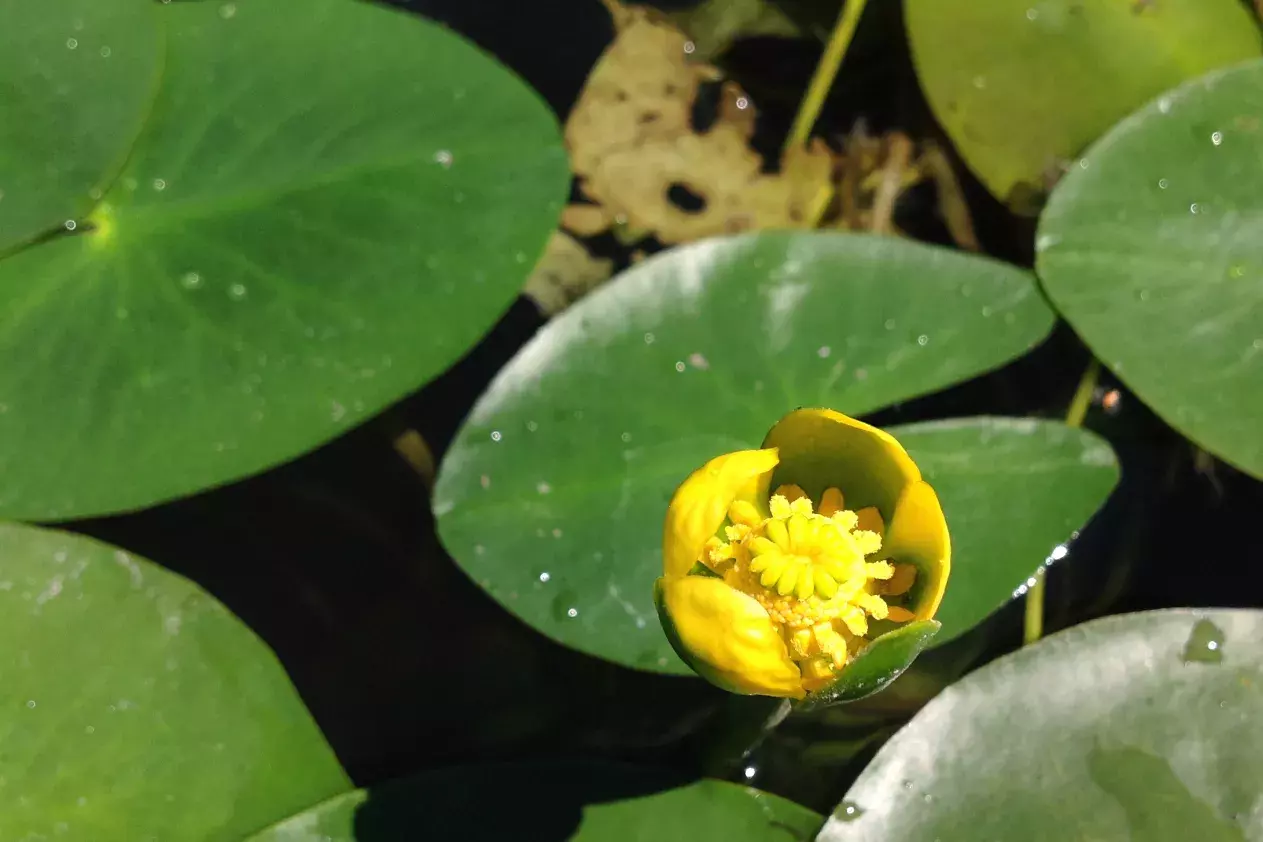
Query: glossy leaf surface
[(1140, 726), (328, 203), (553, 495), (1013, 490), (1154, 254), (134, 706)]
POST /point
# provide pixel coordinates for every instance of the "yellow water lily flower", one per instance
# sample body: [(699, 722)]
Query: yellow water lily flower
[(781, 565)]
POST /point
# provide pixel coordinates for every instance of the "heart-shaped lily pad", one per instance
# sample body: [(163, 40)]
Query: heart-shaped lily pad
[(321, 205), (553, 495)]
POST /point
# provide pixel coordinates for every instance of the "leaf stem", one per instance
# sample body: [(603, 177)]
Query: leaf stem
[(414, 450), (826, 71), (1033, 624), (1083, 395)]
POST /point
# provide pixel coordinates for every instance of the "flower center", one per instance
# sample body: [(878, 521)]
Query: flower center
[(810, 569)]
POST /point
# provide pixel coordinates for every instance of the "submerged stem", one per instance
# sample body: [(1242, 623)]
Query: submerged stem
[(1033, 624), (826, 71)]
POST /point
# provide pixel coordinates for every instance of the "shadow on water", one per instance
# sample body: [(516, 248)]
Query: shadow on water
[(541, 804), (404, 662)]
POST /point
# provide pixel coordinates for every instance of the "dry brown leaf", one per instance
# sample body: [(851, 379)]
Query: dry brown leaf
[(585, 220), (951, 198), (635, 150), (736, 110), (565, 274), (892, 182), (641, 89), (646, 170)]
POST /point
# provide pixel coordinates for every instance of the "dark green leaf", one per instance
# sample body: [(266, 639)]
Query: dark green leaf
[(554, 803), (553, 495), (1013, 490), (134, 706), (878, 665), (1023, 87), (1142, 726), (329, 203), (1154, 253)]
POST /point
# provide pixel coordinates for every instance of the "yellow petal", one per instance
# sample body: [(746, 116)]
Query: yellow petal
[(831, 501), (821, 449), (901, 582), (727, 637), (869, 519), (899, 614), (702, 502), (918, 536)]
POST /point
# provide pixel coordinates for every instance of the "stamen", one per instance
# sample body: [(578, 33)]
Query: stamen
[(808, 569), (792, 492), (879, 569)]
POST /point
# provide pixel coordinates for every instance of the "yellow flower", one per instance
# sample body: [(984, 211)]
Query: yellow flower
[(781, 566)]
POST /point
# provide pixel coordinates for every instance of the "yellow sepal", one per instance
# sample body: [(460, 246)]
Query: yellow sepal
[(821, 448), (701, 504), (726, 637), (918, 535)]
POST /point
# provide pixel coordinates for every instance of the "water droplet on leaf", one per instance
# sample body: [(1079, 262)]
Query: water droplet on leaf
[(1205, 644)]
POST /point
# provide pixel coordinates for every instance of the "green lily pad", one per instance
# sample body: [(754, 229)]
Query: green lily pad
[(553, 494), (1141, 726), (579, 802), (1014, 491), (328, 203), (1021, 88), (135, 706), (1154, 254), (77, 77)]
